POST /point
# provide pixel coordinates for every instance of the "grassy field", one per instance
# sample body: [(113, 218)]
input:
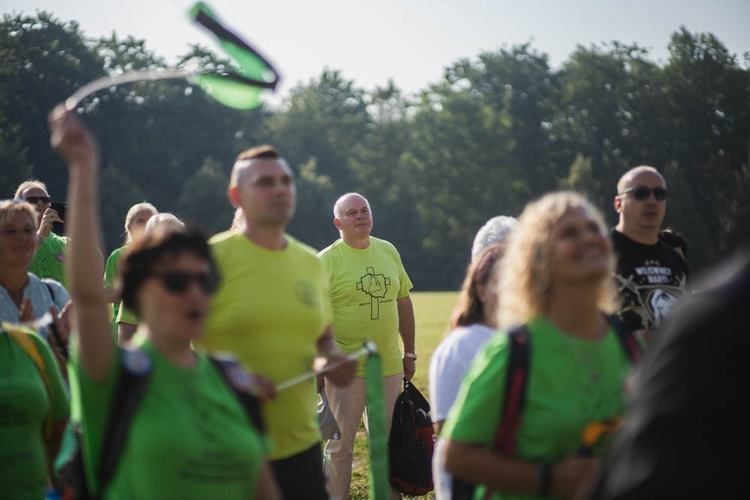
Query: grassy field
[(432, 311)]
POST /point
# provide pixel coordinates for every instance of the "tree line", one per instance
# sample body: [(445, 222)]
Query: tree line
[(496, 131)]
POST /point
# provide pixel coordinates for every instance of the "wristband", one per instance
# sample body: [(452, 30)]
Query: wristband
[(411, 355), (543, 478)]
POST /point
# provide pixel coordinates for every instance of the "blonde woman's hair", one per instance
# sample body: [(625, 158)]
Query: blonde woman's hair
[(132, 212), (526, 269), (8, 208)]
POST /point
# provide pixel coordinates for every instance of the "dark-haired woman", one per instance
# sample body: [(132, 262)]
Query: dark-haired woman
[(190, 437), (473, 322)]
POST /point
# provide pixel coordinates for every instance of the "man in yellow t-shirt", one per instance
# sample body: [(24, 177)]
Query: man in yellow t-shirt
[(370, 296), (273, 312)]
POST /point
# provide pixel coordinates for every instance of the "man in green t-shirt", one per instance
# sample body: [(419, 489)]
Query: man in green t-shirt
[(370, 296), (273, 312), (50, 254)]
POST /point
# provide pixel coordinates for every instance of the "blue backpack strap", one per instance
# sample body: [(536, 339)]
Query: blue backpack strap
[(237, 378), (132, 380)]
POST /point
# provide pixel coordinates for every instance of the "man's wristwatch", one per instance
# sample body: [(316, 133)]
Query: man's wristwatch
[(411, 355)]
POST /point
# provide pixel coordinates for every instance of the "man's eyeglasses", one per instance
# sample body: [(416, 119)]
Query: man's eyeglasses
[(643, 193), (36, 199), (179, 282)]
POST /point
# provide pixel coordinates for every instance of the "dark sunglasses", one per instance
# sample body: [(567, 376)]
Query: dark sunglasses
[(643, 193), (36, 199), (179, 282)]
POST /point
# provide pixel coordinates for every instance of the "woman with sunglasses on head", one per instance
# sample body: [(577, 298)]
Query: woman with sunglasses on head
[(135, 223), (555, 279), (189, 437), (50, 256)]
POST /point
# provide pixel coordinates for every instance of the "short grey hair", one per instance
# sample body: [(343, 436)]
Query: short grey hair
[(30, 184), (495, 230), (342, 199), (163, 223)]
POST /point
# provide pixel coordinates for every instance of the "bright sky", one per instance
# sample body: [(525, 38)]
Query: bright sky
[(409, 41)]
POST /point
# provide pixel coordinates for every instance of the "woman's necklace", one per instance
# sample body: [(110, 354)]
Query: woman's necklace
[(588, 355)]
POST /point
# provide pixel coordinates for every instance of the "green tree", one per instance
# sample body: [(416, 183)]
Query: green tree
[(42, 61)]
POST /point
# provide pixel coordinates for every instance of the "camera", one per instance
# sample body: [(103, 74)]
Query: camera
[(59, 227)]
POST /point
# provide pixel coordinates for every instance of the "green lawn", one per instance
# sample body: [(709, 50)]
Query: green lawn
[(432, 311)]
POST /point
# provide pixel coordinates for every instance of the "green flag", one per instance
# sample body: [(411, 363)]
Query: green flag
[(254, 73), (239, 89), (380, 488)]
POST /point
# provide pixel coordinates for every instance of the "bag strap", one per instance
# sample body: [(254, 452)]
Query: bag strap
[(27, 344), (236, 378), (51, 291), (132, 380), (63, 349), (626, 336), (417, 398), (515, 390)]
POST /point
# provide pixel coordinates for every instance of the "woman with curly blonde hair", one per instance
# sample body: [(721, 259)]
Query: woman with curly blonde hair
[(556, 280)]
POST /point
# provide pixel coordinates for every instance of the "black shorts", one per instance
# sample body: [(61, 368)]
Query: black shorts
[(300, 476)]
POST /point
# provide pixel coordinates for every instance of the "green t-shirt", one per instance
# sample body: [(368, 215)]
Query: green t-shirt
[(111, 271), (571, 382), (365, 285), (25, 404), (270, 310), (49, 258), (190, 437)]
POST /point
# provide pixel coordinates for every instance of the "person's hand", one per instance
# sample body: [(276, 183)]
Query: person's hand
[(60, 329), (262, 388), (72, 140), (45, 225), (572, 477), (410, 367), (342, 369)]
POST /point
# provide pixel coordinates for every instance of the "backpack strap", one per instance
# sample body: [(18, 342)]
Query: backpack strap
[(513, 402), (238, 380), (132, 380), (63, 349), (416, 396), (27, 344), (517, 379), (515, 390), (51, 291), (626, 335)]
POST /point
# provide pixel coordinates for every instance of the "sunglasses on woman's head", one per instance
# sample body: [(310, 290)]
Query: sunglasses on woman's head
[(642, 193), (36, 199), (179, 282)]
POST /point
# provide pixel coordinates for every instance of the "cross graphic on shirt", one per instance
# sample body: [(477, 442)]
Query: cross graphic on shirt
[(376, 286)]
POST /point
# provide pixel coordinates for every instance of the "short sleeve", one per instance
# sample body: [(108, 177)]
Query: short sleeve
[(476, 413)]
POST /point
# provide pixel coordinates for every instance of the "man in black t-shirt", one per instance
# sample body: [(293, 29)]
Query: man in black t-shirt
[(685, 434), (650, 275)]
